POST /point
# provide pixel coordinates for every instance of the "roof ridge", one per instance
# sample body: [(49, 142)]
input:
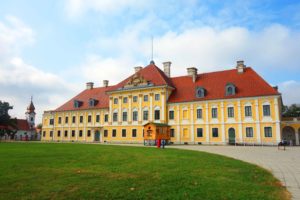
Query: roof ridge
[(212, 72)]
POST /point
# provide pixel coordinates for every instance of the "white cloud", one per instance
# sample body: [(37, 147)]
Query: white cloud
[(20, 80), (78, 7), (290, 92)]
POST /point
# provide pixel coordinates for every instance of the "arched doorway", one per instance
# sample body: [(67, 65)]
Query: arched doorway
[(288, 134), (97, 136), (231, 135)]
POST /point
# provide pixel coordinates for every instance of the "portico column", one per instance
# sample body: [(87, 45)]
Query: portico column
[(151, 107), (207, 123), (297, 138), (240, 122), (257, 122)]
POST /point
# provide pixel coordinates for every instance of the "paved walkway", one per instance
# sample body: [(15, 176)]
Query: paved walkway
[(285, 165)]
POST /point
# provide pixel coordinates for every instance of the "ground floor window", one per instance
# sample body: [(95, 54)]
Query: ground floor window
[(66, 133), (215, 132), (80, 133), (89, 133), (73, 133), (249, 132), (105, 133), (268, 131), (133, 132), (156, 115), (123, 132), (199, 132), (58, 133), (172, 132), (114, 133), (44, 133), (51, 133)]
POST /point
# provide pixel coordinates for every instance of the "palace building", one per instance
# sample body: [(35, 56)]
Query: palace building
[(222, 107)]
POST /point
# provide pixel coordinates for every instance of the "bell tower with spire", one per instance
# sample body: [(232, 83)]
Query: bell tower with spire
[(30, 114)]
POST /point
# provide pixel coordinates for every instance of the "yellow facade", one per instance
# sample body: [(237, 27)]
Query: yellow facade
[(188, 124)]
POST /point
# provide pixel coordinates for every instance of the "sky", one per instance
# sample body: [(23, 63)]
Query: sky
[(50, 49)]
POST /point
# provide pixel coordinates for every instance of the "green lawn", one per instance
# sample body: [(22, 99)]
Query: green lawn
[(85, 171)]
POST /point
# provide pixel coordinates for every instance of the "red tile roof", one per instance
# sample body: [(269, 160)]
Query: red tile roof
[(248, 84), (23, 125), (151, 73), (96, 93)]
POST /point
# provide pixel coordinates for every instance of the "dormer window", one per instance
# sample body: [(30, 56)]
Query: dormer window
[(92, 102), (77, 103), (200, 92), (230, 89)]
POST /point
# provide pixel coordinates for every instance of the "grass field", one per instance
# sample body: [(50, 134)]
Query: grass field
[(84, 171)]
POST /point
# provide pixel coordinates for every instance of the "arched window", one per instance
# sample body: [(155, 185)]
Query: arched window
[(200, 92), (230, 89)]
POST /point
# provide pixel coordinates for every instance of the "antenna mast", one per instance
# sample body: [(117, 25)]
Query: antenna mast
[(152, 47)]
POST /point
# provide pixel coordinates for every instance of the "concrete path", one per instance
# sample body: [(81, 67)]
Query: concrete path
[(285, 165)]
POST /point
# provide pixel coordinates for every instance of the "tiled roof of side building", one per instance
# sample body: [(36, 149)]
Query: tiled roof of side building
[(23, 125), (151, 73), (248, 84), (96, 93)]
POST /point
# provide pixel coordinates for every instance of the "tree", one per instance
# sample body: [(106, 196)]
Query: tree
[(291, 111), (8, 125)]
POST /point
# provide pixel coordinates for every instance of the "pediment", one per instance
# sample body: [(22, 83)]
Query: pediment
[(136, 80)]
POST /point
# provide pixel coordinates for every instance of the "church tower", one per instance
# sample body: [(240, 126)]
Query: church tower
[(30, 114)]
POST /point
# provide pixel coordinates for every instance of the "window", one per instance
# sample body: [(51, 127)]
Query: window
[(92, 102), (145, 97), (215, 132), (214, 113), (134, 98), (58, 133), (124, 116), (230, 111), (51, 122), (59, 120), (115, 101), (123, 132), (199, 113), (89, 133), (114, 133), (156, 97), (199, 132), (266, 110), (115, 116), (81, 119), (105, 133), (125, 100), (268, 131), (66, 120), (200, 92), (51, 133), (249, 132), (97, 118), (156, 115), (172, 132), (73, 119), (145, 115), (106, 118), (230, 89), (133, 132), (171, 114), (73, 133), (185, 114), (89, 118), (248, 111), (77, 103), (134, 116), (66, 133), (80, 133), (44, 133)]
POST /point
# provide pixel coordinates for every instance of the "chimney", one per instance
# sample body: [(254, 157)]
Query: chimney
[(240, 66), (167, 68), (275, 88), (138, 68), (105, 83), (192, 71), (89, 85)]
